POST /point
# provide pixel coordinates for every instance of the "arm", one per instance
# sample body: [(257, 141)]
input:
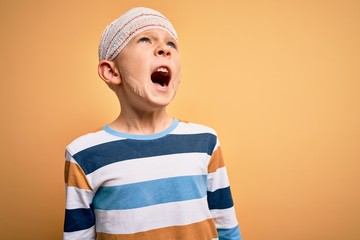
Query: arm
[(219, 198), (79, 214)]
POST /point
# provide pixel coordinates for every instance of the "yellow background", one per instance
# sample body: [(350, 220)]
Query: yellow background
[(279, 81)]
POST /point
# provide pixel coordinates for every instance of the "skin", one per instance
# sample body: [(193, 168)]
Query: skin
[(143, 103)]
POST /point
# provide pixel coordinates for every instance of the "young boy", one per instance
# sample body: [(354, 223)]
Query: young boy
[(146, 176)]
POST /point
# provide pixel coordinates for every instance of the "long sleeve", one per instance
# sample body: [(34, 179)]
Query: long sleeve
[(219, 198), (79, 215)]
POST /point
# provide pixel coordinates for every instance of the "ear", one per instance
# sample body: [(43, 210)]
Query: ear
[(108, 72)]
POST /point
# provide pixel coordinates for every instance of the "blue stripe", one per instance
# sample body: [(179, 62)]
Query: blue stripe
[(79, 219), (149, 193), (143, 137), (229, 234), (220, 199), (101, 155)]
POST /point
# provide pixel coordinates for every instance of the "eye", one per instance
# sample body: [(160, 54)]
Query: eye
[(172, 44), (144, 40)]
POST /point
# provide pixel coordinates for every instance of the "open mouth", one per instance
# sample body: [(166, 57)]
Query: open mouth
[(161, 76)]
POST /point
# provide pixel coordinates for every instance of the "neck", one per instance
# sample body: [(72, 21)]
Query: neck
[(141, 123)]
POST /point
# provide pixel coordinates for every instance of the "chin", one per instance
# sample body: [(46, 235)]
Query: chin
[(161, 101)]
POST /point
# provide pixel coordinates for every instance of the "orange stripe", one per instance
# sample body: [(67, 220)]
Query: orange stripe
[(204, 230), (216, 161), (75, 177)]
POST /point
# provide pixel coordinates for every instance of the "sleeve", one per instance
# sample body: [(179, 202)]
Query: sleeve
[(79, 214), (220, 199)]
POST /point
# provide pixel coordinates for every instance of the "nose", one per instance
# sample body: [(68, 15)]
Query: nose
[(162, 50)]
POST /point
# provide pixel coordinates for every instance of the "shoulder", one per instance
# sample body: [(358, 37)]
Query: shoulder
[(90, 140), (185, 127), (199, 133)]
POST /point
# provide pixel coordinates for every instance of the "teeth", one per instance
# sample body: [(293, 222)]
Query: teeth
[(162, 69)]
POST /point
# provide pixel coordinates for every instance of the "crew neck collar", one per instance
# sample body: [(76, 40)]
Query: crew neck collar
[(140, 136)]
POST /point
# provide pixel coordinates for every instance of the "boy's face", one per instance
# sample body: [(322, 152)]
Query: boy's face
[(149, 68)]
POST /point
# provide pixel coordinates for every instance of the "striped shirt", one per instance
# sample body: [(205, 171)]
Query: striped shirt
[(172, 185)]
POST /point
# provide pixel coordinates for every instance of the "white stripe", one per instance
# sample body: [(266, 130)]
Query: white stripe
[(152, 217), (218, 179), (224, 218), (192, 128), (217, 145), (145, 169), (78, 198), (69, 158), (87, 234), (90, 140)]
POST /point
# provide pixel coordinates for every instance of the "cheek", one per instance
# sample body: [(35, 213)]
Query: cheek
[(177, 67), (178, 74), (176, 80), (134, 70)]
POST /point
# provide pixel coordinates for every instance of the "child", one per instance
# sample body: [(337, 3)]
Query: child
[(146, 176)]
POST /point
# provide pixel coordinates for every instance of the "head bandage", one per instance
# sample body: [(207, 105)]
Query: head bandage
[(119, 33)]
